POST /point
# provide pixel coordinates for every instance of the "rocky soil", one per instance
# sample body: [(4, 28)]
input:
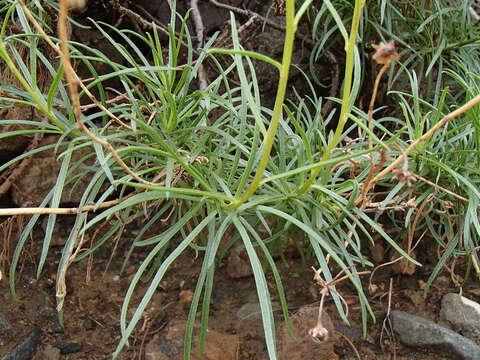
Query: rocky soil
[(408, 326)]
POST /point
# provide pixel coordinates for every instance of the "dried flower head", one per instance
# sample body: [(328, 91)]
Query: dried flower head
[(385, 53), (403, 175)]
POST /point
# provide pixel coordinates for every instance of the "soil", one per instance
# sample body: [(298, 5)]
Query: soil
[(92, 307), (95, 293)]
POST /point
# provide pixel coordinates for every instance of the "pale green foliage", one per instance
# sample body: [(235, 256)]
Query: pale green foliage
[(306, 185)]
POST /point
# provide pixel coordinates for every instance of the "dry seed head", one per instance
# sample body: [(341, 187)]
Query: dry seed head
[(385, 53)]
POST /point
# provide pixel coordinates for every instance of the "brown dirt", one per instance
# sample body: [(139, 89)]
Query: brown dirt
[(92, 309)]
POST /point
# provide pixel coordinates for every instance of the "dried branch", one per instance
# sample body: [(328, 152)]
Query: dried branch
[(273, 24), (140, 20), (60, 211), (202, 74), (77, 79), (474, 101)]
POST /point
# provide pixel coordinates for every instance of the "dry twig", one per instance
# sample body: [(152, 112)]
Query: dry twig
[(202, 74), (452, 115), (384, 54), (387, 320), (320, 331), (30, 17), (357, 354), (145, 24), (273, 24)]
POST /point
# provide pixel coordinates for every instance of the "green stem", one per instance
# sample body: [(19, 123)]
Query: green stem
[(347, 88), (462, 43), (39, 104), (291, 27)]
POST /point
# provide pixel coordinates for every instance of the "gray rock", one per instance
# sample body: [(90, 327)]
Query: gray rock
[(26, 349), (355, 334), (416, 331), (238, 265), (455, 307), (4, 324), (68, 347), (57, 328), (249, 310), (462, 313), (43, 305)]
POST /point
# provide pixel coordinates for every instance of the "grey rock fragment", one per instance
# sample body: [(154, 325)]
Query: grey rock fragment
[(249, 310), (43, 305), (4, 324), (462, 313), (57, 328), (416, 331), (68, 348), (26, 349)]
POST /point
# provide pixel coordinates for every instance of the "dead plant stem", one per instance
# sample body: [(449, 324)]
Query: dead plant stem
[(61, 211), (55, 47), (73, 82), (428, 134)]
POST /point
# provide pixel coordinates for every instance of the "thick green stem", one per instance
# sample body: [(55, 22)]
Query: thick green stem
[(347, 92), (277, 110), (462, 43)]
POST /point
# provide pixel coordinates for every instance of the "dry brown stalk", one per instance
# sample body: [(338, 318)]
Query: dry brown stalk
[(320, 331), (73, 81), (59, 52), (350, 342), (388, 321), (61, 281), (251, 14), (137, 19), (385, 53), (467, 106), (62, 211), (410, 249), (440, 188)]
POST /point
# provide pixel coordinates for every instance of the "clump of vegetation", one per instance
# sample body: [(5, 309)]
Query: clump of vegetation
[(210, 159)]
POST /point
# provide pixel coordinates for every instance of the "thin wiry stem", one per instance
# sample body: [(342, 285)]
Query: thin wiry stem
[(55, 47), (427, 135)]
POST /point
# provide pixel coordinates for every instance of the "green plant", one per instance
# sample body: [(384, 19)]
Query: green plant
[(428, 82), (246, 165)]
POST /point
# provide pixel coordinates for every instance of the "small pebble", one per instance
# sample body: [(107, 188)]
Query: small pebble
[(249, 310), (68, 348), (185, 297), (57, 328), (4, 324)]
